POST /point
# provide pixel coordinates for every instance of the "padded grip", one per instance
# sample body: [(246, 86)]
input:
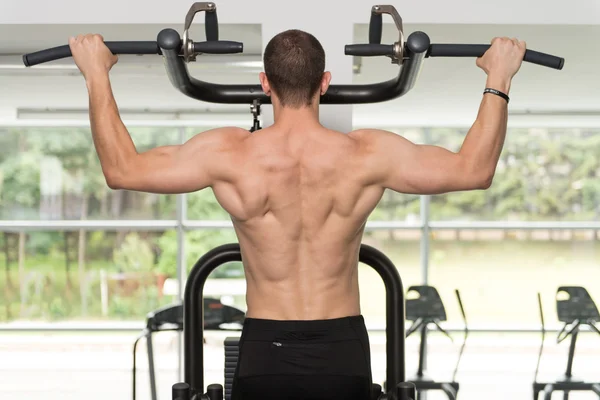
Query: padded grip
[(543, 59), (478, 50), (369, 50), (219, 47), (211, 23), (375, 28), (60, 52)]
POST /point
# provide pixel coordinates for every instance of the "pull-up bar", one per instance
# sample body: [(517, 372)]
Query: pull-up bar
[(179, 51)]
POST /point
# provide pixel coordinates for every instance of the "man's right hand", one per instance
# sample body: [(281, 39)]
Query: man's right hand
[(502, 61)]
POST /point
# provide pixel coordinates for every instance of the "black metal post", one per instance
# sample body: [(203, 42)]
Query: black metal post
[(395, 313), (151, 370), (423, 351), (569, 372)]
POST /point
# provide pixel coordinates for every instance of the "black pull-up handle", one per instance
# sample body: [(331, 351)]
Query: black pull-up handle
[(369, 50), (211, 23), (375, 28), (219, 47), (478, 50), (137, 48), (453, 50), (60, 52)]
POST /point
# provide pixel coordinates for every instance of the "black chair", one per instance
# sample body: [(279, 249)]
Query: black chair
[(425, 310), (170, 318), (193, 385), (576, 311)]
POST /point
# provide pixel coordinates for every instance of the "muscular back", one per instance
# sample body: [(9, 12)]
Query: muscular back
[(299, 198), (299, 201)]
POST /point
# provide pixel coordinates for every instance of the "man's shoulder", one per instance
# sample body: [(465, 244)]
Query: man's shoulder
[(225, 136), (366, 137), (230, 132)]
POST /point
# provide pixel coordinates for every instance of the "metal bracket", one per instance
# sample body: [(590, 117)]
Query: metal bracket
[(255, 110), (398, 56), (188, 44)]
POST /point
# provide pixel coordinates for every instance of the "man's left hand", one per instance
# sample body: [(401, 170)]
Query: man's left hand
[(91, 55)]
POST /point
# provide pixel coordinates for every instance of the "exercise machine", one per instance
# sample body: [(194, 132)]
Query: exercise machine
[(177, 51), (192, 388), (217, 316), (576, 311), (180, 50), (425, 310)]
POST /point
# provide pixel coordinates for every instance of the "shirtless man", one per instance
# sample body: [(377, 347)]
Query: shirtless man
[(299, 196)]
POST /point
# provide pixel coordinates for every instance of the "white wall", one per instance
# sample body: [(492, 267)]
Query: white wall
[(447, 93), (344, 11)]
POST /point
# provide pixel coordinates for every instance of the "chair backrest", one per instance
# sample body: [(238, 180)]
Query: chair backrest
[(428, 305), (578, 306)]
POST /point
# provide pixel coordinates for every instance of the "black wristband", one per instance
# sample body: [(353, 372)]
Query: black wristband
[(497, 93)]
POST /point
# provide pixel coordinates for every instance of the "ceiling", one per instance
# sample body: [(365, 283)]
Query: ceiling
[(448, 90)]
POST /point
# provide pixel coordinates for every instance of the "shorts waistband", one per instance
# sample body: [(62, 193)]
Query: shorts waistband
[(303, 325)]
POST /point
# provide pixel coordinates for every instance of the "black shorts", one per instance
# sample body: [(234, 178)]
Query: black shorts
[(303, 360)]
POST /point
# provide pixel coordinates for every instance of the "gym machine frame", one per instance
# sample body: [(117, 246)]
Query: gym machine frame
[(579, 309), (193, 386), (428, 309), (408, 54), (177, 51)]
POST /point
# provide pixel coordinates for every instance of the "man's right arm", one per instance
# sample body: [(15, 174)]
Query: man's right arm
[(406, 167)]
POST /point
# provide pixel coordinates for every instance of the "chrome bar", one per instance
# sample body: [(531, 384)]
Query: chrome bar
[(516, 225), (87, 225)]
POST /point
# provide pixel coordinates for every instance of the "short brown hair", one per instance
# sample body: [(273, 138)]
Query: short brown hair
[(294, 64)]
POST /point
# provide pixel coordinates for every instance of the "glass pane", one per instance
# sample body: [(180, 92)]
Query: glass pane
[(543, 175), (91, 276), (499, 273), (203, 205), (55, 174)]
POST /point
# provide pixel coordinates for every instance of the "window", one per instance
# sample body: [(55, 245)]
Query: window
[(55, 174), (542, 175), (99, 275), (499, 273)]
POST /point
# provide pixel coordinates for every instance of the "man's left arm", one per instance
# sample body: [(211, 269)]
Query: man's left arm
[(167, 169)]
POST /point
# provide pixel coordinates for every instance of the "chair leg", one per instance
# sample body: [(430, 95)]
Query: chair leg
[(449, 390), (548, 389), (596, 389), (151, 366)]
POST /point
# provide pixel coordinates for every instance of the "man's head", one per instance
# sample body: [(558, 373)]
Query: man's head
[(295, 69)]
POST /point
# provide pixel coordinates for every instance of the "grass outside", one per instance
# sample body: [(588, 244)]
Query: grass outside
[(498, 281)]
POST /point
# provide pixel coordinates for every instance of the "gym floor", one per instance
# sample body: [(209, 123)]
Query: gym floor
[(67, 366)]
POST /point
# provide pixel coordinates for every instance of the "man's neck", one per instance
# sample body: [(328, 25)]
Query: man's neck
[(285, 117)]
